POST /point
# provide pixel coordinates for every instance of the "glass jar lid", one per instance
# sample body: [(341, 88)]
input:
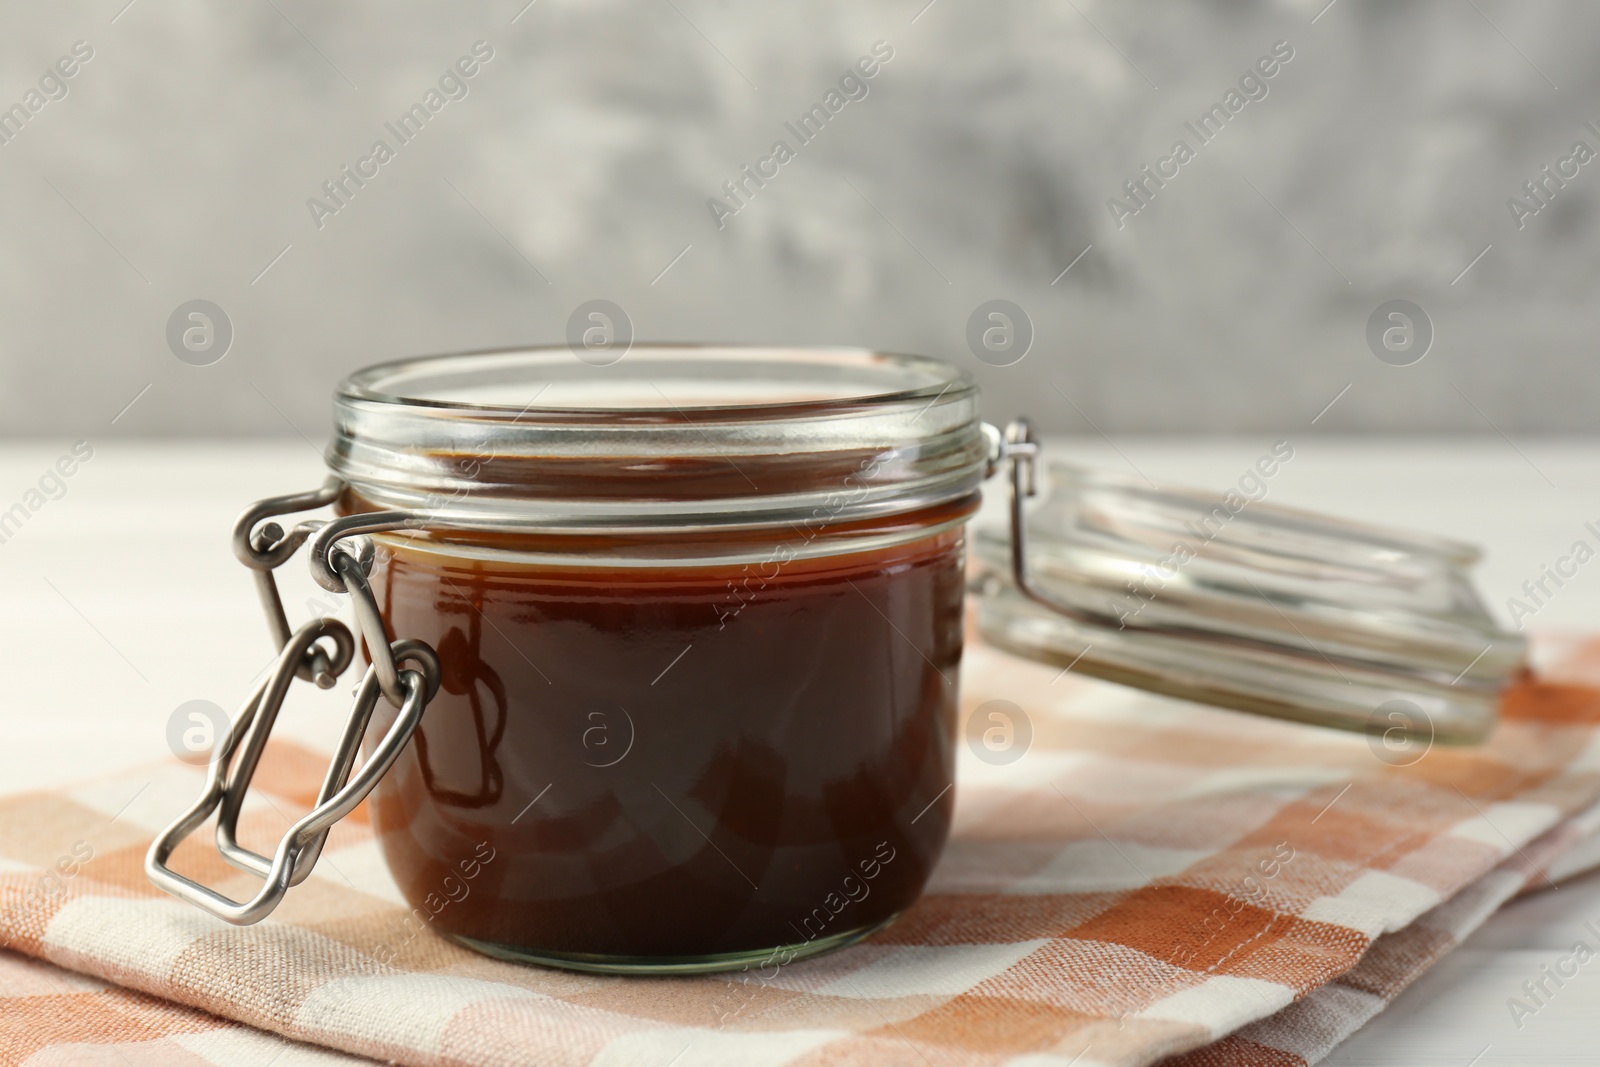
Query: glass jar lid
[(1257, 607), (664, 438)]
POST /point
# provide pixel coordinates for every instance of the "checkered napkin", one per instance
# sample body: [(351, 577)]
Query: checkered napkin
[(1151, 879)]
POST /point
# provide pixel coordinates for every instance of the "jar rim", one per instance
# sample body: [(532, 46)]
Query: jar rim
[(375, 383), (666, 436)]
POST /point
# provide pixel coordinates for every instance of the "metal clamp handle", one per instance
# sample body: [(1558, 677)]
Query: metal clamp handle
[(1020, 448), (301, 656)]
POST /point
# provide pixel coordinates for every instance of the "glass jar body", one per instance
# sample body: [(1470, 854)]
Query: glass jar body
[(675, 768)]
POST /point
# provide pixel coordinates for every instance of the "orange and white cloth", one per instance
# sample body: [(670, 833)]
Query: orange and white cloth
[(1153, 879)]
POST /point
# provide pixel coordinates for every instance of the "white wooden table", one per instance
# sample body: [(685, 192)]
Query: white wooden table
[(125, 602)]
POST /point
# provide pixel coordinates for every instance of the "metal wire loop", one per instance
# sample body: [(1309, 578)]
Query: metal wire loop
[(318, 651), (264, 556), (263, 545), (229, 779), (323, 540)]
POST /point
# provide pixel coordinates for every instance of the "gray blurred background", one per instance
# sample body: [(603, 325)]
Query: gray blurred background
[(1378, 166)]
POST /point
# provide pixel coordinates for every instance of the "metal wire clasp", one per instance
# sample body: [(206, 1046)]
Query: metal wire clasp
[(318, 651), (1019, 448)]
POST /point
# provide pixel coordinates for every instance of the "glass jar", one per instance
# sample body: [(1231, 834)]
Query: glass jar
[(699, 622), (663, 654)]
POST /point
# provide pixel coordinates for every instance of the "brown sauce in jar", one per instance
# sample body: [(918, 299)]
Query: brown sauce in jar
[(664, 764)]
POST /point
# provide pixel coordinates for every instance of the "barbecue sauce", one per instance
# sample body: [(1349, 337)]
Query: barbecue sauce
[(669, 764)]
